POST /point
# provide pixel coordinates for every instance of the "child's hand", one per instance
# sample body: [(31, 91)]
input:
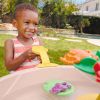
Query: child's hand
[(39, 58), (30, 54)]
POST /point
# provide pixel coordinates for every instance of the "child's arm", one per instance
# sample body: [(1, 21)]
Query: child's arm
[(10, 62)]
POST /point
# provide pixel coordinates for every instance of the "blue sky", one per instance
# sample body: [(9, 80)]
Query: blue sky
[(75, 1), (79, 1)]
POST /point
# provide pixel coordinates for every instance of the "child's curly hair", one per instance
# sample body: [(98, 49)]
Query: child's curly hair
[(22, 7)]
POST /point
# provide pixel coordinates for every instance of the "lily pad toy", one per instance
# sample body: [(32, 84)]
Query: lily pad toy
[(58, 87), (87, 65)]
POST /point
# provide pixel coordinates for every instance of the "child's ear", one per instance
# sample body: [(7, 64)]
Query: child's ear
[(14, 22)]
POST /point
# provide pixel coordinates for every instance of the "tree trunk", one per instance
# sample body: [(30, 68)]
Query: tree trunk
[(81, 29), (58, 22)]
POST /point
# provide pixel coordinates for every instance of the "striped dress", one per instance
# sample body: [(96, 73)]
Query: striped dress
[(19, 48)]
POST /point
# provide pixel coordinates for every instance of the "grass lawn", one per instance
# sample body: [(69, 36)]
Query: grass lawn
[(3, 70), (57, 48)]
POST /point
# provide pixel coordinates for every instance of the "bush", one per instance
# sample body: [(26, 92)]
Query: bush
[(93, 28)]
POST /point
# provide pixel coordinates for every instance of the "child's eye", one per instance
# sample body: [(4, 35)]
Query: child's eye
[(26, 22), (35, 24)]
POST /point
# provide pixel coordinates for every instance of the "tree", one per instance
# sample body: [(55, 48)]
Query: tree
[(8, 6), (55, 12), (78, 22), (83, 23), (52, 12), (0, 9), (71, 8)]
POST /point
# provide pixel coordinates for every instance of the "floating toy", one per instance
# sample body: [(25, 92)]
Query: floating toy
[(98, 54), (97, 71), (87, 65), (90, 66), (42, 51), (76, 55), (58, 87), (89, 97)]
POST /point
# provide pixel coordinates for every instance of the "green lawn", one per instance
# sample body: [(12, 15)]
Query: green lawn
[(3, 70), (60, 47), (56, 49)]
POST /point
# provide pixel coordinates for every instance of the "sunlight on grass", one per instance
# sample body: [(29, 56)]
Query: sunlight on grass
[(67, 45), (3, 38), (3, 70)]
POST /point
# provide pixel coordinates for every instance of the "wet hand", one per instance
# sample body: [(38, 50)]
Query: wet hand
[(30, 54), (39, 58)]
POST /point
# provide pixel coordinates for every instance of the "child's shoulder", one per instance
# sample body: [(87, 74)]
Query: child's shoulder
[(9, 41)]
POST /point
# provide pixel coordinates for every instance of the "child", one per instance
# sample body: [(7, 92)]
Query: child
[(18, 51)]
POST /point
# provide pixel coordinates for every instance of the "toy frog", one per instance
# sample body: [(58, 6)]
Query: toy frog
[(76, 55)]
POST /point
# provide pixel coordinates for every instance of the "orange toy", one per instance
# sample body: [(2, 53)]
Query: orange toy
[(76, 55)]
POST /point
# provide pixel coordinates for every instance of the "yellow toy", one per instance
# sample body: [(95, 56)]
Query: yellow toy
[(42, 51), (89, 97)]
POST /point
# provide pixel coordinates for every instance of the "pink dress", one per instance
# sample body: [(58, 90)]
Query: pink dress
[(19, 48)]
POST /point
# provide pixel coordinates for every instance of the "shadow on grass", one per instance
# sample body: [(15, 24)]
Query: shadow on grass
[(3, 70)]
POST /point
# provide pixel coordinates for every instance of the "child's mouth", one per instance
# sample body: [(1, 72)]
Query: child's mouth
[(29, 33)]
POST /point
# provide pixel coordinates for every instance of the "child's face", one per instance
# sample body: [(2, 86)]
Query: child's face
[(26, 23)]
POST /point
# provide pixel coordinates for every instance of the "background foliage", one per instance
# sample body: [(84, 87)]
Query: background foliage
[(90, 24), (52, 12)]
